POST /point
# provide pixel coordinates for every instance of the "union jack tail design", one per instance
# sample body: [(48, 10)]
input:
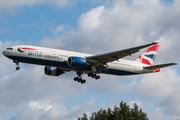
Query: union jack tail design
[(149, 55)]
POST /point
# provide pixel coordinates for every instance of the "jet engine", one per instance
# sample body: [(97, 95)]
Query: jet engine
[(76, 62), (53, 71)]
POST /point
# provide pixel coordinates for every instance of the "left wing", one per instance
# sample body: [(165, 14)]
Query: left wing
[(99, 62)]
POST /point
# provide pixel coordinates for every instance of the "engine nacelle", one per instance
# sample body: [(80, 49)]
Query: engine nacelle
[(76, 62), (53, 71)]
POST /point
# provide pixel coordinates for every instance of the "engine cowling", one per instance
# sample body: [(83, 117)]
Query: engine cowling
[(53, 71), (76, 62)]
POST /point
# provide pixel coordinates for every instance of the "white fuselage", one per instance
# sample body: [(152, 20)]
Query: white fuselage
[(58, 58)]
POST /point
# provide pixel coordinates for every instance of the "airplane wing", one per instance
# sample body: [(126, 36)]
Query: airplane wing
[(100, 61), (159, 66)]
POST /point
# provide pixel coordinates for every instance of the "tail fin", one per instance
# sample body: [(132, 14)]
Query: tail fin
[(149, 55)]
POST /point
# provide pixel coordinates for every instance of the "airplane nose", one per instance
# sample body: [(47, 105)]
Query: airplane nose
[(4, 53)]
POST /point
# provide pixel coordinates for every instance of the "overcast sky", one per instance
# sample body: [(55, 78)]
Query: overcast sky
[(89, 26)]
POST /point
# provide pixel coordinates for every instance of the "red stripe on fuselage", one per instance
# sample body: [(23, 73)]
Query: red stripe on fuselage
[(26, 48), (153, 48)]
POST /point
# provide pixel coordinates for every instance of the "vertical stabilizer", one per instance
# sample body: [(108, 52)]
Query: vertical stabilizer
[(149, 55)]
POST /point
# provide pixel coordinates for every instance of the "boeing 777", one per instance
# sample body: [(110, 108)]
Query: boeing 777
[(57, 62)]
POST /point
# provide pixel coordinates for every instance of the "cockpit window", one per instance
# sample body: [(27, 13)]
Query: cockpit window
[(9, 49)]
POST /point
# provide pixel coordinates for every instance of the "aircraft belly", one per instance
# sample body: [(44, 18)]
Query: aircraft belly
[(120, 69), (118, 72)]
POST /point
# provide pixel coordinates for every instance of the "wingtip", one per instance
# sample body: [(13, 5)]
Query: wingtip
[(157, 42), (175, 63)]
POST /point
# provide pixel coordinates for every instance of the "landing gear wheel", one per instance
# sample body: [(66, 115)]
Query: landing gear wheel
[(97, 77), (18, 68), (93, 76), (83, 81), (90, 74), (79, 79), (76, 78)]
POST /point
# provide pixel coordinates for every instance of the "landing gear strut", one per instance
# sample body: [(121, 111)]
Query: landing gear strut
[(17, 63)]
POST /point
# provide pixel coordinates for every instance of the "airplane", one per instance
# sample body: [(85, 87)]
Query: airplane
[(57, 62)]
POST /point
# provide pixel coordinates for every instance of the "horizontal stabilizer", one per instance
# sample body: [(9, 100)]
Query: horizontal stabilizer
[(160, 66)]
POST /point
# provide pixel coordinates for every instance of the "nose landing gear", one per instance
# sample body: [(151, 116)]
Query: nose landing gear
[(17, 63)]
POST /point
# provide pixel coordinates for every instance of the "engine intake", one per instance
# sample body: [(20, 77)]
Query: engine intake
[(76, 62), (53, 71)]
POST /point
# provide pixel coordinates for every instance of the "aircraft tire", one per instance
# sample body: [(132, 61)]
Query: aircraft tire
[(90, 74), (18, 68), (83, 81), (97, 77), (79, 79), (93, 76), (76, 78)]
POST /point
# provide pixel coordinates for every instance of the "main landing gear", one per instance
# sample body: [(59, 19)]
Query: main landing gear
[(79, 78), (17, 63), (93, 75)]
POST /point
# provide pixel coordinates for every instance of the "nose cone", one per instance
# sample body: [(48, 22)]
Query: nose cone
[(4, 53)]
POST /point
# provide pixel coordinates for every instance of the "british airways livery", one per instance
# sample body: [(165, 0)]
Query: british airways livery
[(57, 62)]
